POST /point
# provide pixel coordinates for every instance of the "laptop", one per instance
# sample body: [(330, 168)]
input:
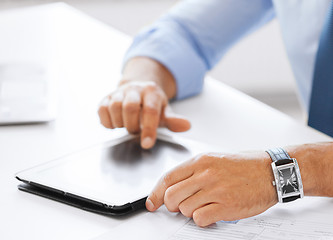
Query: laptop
[(113, 178), (27, 94)]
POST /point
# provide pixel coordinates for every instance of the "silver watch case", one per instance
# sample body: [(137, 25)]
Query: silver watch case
[(277, 182)]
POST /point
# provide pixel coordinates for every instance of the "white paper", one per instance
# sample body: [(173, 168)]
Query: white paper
[(257, 228), (308, 218)]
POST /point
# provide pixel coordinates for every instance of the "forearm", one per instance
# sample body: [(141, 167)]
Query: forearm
[(189, 44), (316, 166), (147, 69)]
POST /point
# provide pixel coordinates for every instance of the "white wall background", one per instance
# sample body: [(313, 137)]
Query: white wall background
[(257, 65)]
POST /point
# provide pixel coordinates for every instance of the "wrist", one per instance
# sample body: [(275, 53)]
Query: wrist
[(147, 69), (311, 160), (269, 176)]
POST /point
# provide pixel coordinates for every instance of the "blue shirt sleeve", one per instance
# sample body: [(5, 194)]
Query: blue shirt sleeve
[(191, 38)]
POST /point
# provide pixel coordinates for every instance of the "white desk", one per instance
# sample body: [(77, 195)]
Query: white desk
[(86, 58)]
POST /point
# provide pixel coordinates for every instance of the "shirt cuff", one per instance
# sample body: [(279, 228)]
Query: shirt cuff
[(168, 44)]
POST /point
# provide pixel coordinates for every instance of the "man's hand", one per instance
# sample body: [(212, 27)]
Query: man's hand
[(140, 103), (213, 187)]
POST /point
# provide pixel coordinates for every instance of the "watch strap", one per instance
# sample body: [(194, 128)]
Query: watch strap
[(279, 156), (291, 198)]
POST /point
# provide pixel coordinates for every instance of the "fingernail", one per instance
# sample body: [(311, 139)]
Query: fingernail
[(147, 142), (149, 205)]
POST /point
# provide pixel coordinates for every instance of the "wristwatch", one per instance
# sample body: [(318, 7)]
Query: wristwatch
[(288, 181)]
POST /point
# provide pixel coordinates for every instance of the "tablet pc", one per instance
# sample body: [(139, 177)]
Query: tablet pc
[(113, 178)]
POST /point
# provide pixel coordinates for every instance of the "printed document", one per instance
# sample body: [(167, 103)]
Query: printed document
[(307, 218), (257, 228)]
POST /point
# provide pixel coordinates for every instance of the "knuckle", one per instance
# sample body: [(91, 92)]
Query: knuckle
[(105, 124), (202, 158), (151, 110), (169, 195), (118, 125), (152, 86), (131, 108), (185, 210), (102, 110), (156, 89), (205, 176), (149, 130), (115, 106), (206, 161), (133, 130), (169, 201), (204, 167), (171, 207), (167, 179), (208, 173), (153, 197), (199, 219)]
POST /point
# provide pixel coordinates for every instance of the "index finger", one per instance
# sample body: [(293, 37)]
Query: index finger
[(151, 111), (178, 174)]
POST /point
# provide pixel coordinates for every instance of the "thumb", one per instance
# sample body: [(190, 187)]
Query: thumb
[(173, 121)]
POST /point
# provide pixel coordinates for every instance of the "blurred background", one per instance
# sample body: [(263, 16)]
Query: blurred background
[(261, 57)]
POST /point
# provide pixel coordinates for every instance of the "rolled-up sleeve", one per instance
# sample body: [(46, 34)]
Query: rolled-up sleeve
[(191, 38)]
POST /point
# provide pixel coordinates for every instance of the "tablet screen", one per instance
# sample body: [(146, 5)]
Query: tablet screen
[(115, 173)]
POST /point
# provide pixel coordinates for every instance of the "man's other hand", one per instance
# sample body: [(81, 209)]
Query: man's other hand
[(140, 103), (214, 187)]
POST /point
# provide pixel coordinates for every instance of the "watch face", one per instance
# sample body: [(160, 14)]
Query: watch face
[(288, 180)]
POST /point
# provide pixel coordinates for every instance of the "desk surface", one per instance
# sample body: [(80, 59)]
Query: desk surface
[(86, 59)]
